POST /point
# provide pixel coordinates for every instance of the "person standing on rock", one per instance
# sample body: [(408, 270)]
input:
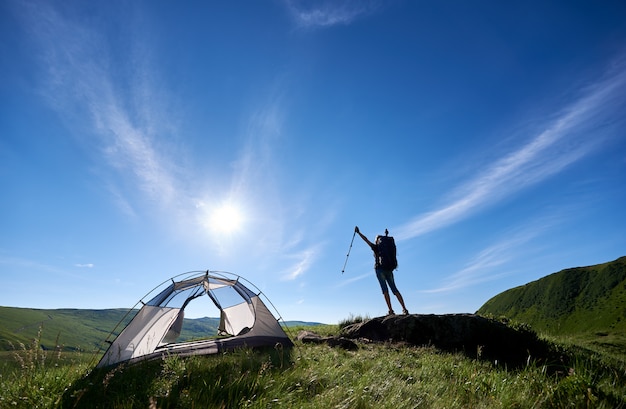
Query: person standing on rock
[(384, 266)]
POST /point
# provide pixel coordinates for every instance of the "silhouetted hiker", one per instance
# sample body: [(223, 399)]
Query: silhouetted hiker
[(385, 255)]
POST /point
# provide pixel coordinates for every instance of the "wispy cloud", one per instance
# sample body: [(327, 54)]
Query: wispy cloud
[(327, 13), (254, 168), (29, 264), (352, 280), (95, 102), (574, 133), (86, 265), (489, 264), (257, 179), (305, 259), (131, 149), (19, 265)]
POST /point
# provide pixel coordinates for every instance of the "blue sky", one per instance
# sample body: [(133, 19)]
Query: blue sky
[(140, 140)]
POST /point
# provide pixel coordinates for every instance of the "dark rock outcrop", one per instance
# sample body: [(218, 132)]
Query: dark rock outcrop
[(476, 336), (313, 338)]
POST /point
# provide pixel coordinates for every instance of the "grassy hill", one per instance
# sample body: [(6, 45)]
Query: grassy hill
[(583, 301), (74, 329), (69, 329)]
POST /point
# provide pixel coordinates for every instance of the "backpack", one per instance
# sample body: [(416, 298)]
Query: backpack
[(386, 253)]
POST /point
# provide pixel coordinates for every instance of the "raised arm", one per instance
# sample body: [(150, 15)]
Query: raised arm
[(369, 243)]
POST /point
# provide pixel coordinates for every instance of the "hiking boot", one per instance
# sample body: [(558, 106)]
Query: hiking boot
[(391, 312), (405, 312)]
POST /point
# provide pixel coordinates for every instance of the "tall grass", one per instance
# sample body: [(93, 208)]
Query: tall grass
[(316, 376), (37, 378), (352, 319)]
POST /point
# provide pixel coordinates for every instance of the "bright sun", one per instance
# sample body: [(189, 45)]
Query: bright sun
[(226, 219)]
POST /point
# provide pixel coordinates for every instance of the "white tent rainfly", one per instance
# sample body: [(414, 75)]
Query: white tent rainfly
[(245, 320)]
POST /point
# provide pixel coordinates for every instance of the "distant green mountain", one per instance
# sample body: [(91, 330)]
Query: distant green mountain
[(73, 329), (571, 302)]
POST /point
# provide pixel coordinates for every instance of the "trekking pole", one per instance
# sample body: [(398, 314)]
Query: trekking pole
[(348, 255)]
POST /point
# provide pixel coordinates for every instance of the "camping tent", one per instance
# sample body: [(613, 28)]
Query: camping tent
[(245, 320)]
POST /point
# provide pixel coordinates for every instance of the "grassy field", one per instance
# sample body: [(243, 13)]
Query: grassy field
[(313, 376)]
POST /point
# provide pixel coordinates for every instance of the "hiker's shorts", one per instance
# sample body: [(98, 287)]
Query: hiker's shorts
[(386, 277)]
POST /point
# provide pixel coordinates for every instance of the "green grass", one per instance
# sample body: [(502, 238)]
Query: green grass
[(573, 301), (32, 377), (68, 329), (314, 376), (352, 319)]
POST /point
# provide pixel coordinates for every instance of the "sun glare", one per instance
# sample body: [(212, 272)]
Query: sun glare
[(226, 219)]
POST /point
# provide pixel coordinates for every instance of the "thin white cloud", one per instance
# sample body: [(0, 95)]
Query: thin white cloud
[(494, 261), (305, 259), (575, 132), (120, 201), (81, 86), (352, 280), (86, 265), (36, 267), (487, 265), (327, 13), (277, 220), (130, 148), (256, 178), (30, 264), (254, 168)]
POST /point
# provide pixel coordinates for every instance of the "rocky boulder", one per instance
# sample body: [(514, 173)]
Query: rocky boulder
[(476, 336)]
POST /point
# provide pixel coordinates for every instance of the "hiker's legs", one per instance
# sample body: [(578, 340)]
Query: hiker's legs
[(380, 275), (392, 285), (388, 301), (401, 300), (382, 280)]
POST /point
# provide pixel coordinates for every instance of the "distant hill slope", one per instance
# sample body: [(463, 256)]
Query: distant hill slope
[(73, 329), (68, 328), (573, 301)]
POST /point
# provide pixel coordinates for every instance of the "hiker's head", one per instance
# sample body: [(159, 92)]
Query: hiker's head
[(378, 238)]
